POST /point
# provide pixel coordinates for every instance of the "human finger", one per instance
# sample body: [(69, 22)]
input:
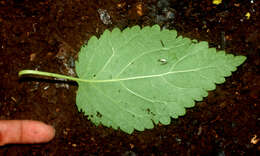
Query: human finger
[(25, 132)]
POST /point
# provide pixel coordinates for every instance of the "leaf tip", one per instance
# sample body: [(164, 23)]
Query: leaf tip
[(240, 59)]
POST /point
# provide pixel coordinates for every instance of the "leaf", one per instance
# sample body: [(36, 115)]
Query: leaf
[(139, 77)]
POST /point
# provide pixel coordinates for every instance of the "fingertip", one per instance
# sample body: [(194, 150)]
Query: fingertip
[(25, 132), (37, 132), (50, 132)]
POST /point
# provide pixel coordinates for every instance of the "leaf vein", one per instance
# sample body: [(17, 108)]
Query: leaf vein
[(137, 57), (109, 60), (171, 84), (181, 59), (136, 94)]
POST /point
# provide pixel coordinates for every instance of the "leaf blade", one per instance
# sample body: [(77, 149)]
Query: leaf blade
[(130, 87)]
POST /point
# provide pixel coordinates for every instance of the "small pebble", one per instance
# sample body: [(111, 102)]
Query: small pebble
[(104, 16), (170, 15), (220, 153), (129, 153), (163, 4), (32, 56)]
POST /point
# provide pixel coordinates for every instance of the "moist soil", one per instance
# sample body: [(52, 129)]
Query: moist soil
[(47, 35)]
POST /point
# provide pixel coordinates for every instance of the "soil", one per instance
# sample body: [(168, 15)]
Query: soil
[(47, 35)]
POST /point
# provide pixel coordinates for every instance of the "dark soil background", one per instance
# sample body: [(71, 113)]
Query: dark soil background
[(47, 34)]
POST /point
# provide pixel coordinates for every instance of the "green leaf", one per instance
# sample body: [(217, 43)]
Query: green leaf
[(140, 77)]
